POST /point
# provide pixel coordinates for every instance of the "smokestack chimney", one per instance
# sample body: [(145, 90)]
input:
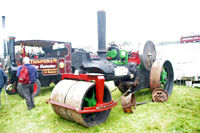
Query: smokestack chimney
[(101, 22), (12, 49), (4, 41)]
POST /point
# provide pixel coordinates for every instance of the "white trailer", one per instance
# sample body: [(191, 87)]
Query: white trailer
[(185, 59)]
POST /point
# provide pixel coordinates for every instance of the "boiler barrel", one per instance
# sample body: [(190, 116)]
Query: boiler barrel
[(76, 93)]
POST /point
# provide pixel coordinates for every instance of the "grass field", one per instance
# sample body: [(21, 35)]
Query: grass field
[(181, 113)]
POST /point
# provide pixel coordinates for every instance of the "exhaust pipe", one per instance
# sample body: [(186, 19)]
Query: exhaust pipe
[(4, 41), (12, 50), (101, 23)]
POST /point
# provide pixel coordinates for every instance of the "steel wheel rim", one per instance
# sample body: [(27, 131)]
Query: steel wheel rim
[(169, 77), (162, 76)]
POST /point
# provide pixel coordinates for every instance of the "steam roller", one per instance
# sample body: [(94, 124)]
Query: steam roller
[(82, 96)]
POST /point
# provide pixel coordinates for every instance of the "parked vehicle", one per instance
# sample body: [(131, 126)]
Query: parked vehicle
[(51, 58), (190, 38)]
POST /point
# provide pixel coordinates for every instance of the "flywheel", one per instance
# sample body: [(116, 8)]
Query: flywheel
[(147, 55)]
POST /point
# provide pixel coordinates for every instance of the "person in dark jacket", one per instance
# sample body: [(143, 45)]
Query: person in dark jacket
[(3, 81), (27, 89)]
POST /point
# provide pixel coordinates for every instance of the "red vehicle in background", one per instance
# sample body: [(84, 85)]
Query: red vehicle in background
[(51, 58), (191, 38)]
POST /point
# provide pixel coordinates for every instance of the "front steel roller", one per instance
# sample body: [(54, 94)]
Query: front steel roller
[(162, 76), (79, 94)]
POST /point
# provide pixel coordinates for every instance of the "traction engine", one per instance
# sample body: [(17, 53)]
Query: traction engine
[(51, 58), (83, 97)]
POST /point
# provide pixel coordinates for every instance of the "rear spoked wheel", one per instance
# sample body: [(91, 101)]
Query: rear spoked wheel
[(162, 76)]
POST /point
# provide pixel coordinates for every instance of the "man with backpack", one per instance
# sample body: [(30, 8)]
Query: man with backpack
[(27, 75), (3, 81)]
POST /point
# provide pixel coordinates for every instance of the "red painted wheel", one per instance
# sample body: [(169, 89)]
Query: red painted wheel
[(36, 91), (37, 87)]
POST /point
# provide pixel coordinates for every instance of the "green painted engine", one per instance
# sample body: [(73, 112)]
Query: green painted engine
[(116, 55)]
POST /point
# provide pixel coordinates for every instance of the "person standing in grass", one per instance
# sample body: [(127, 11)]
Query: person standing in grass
[(3, 80), (28, 88)]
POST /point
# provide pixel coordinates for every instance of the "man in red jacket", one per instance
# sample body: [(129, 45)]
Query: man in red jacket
[(27, 89)]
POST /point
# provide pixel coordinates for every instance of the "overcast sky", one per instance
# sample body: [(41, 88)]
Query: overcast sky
[(76, 20)]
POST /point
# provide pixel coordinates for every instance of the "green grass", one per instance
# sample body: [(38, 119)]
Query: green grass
[(181, 113)]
